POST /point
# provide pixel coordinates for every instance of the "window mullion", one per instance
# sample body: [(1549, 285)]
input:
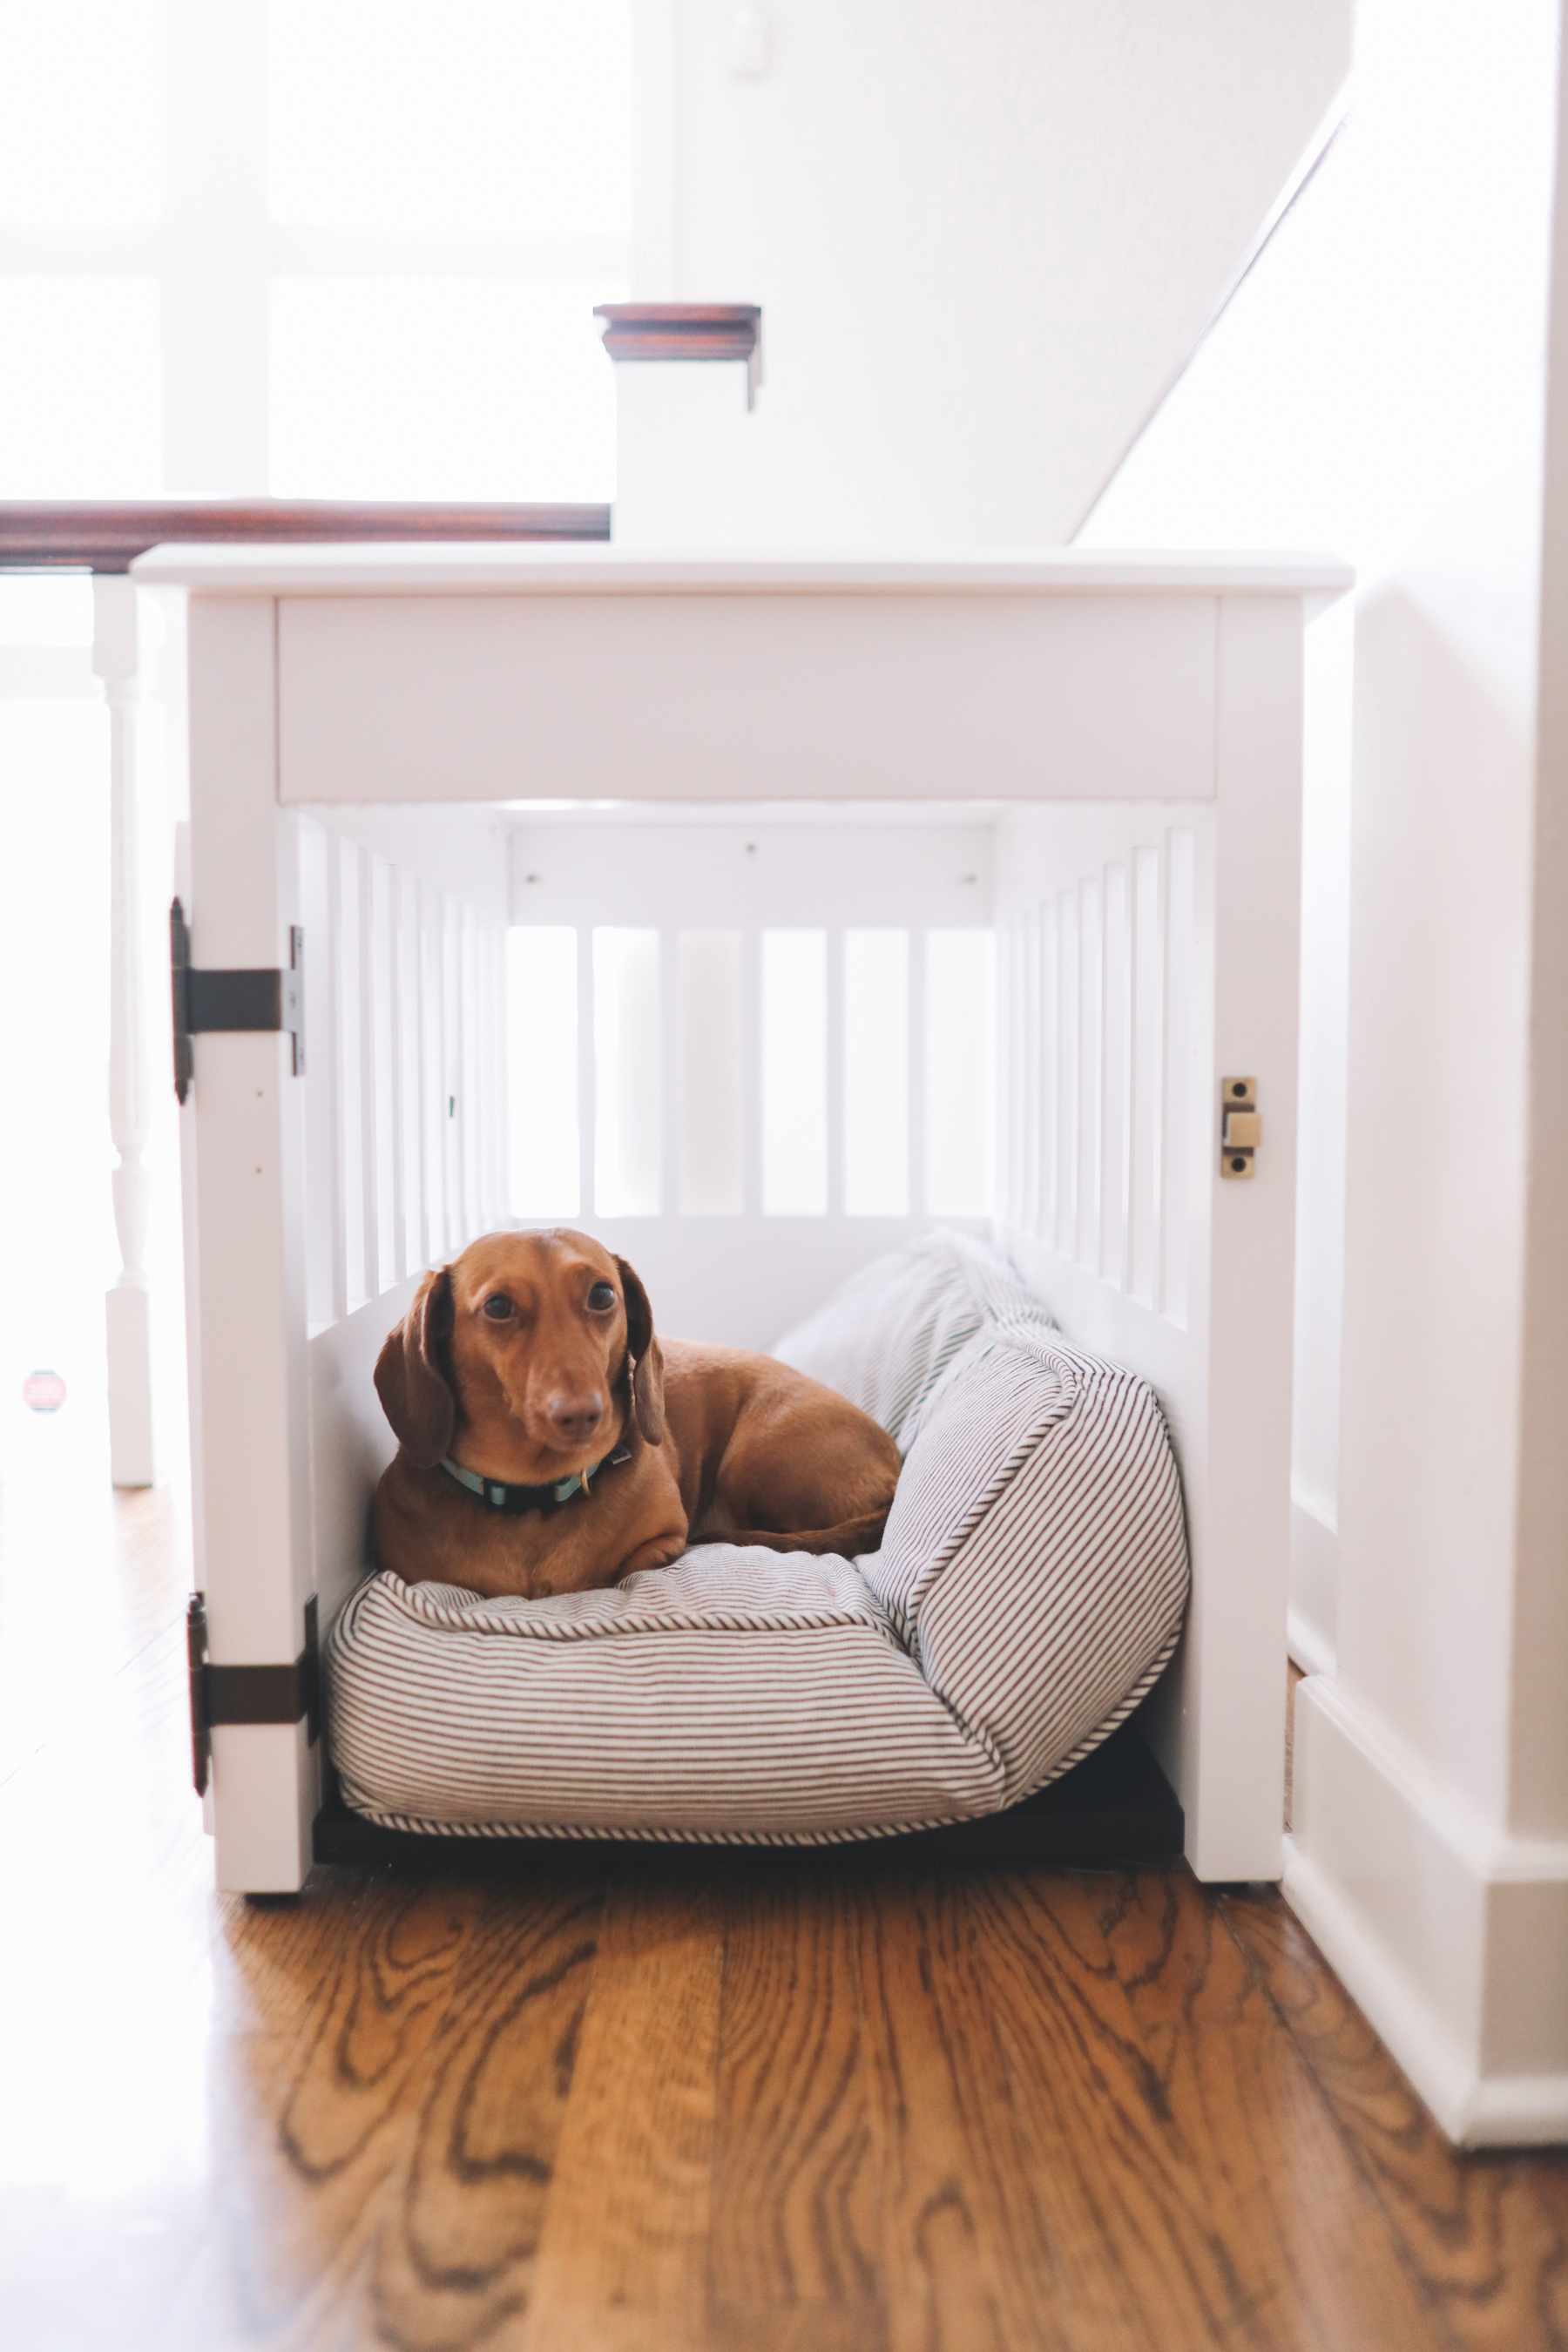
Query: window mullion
[(217, 266)]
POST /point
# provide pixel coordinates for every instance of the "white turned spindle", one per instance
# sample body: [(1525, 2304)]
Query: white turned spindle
[(132, 1458)]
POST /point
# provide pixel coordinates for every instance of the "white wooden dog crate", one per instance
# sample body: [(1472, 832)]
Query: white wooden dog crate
[(774, 813)]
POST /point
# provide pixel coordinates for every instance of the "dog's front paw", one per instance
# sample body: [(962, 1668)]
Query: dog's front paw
[(659, 1551)]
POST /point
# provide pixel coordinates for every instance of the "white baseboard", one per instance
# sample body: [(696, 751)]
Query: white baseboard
[(1385, 1994), (1474, 2111), (1449, 1934)]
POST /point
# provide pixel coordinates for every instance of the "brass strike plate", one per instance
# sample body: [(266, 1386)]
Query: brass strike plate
[(1240, 1128)]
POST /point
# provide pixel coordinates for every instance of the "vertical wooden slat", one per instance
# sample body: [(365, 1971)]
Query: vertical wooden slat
[(751, 1070), (321, 1075), (470, 1089), (410, 1159), (836, 1121), (394, 1242), (586, 1075), (351, 1082), (332, 1075), (369, 1138), (496, 1073), (1145, 1189), (1116, 1073), (1091, 1052), (920, 1189), (1178, 1081), (1006, 1030), (501, 1175), (1047, 1075), (491, 1074), (432, 1110), (382, 1015), (1013, 1079), (1029, 1086), (1068, 1090), (672, 1059), (451, 1075)]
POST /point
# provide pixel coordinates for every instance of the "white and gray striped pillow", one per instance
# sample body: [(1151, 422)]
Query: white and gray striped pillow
[(1027, 1594), (886, 1335)]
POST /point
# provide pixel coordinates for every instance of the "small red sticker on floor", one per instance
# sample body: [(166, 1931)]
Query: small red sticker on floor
[(45, 1391)]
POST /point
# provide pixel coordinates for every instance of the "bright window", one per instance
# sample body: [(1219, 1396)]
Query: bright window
[(480, 114), (440, 388), (335, 248), (79, 108)]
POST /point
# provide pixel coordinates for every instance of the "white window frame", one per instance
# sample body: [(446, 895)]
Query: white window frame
[(216, 251)]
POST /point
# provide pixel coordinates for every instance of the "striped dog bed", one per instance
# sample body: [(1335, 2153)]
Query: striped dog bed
[(1027, 1594)]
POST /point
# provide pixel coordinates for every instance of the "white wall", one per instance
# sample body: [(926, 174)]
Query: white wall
[(1380, 384), (1259, 445), (983, 236)]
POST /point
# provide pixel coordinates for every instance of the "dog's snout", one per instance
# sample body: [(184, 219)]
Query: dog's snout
[(576, 1417)]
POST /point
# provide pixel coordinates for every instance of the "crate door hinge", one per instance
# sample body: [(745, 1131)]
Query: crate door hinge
[(248, 1694), (232, 999)]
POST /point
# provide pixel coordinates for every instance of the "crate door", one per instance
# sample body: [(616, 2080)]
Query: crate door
[(1145, 953), (405, 1118)]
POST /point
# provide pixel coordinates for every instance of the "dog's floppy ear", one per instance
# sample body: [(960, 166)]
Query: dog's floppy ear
[(413, 1390), (648, 1379)]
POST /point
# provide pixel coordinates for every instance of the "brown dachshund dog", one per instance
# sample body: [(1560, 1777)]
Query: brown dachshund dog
[(548, 1443)]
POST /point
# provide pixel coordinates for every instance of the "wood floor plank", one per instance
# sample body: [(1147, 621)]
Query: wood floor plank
[(1487, 2233), (622, 2259), (794, 2256), (1147, 2067), (787, 2113), (384, 2170), (965, 2266)]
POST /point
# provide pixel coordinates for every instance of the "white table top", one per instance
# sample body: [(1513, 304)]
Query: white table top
[(509, 568)]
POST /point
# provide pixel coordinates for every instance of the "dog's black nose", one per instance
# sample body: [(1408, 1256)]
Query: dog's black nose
[(576, 1417)]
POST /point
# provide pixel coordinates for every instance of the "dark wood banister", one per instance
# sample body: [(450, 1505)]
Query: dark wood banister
[(686, 331), (94, 535)]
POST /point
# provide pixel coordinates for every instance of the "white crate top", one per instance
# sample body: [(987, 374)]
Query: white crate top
[(514, 568)]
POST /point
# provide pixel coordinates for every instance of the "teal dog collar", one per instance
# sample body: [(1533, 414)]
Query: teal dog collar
[(515, 1500)]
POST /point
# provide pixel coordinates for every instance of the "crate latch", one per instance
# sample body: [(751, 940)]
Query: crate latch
[(1240, 1128), (232, 999), (248, 1694)]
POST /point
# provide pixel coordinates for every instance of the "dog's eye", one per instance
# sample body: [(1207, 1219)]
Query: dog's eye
[(497, 1307), (601, 1298)]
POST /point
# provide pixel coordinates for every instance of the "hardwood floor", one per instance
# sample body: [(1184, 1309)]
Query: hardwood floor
[(787, 2107)]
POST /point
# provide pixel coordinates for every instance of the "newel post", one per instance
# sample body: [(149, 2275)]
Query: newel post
[(114, 658)]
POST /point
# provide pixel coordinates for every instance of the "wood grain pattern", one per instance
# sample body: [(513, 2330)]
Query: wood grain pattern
[(1191, 2096), (680, 330), (785, 2104), (795, 2255), (686, 331), (966, 2263), (1487, 2234), (101, 536), (620, 2263), (398, 2147)]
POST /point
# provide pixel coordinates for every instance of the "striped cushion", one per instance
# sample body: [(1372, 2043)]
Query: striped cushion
[(1027, 1594), (886, 1337)]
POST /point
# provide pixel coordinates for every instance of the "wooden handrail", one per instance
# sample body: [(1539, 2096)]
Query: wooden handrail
[(89, 534), (686, 331)]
